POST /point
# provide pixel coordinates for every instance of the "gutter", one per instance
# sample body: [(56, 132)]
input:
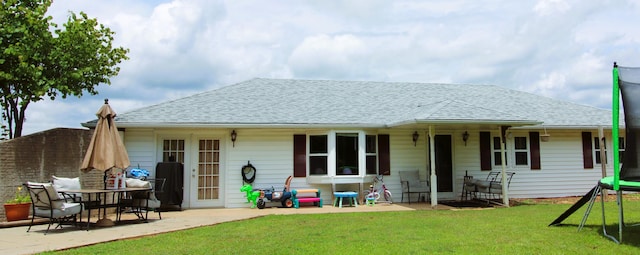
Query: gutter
[(240, 125), (469, 122)]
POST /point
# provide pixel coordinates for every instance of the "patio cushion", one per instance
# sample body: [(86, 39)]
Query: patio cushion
[(482, 186), (62, 183), (140, 202), (64, 210), (41, 199), (137, 183)]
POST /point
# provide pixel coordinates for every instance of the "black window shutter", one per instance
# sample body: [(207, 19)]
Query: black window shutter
[(299, 155), (384, 161), (587, 154), (534, 138), (485, 151)]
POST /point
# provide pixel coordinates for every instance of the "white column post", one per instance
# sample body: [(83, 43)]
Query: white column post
[(433, 178)]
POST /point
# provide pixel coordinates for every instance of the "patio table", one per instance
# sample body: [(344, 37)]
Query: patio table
[(97, 199)]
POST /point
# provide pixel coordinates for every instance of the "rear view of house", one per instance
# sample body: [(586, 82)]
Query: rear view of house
[(337, 135)]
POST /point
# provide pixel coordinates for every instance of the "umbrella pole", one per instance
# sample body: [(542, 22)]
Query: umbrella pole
[(104, 222)]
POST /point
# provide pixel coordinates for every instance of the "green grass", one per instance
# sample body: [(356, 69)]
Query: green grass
[(520, 229)]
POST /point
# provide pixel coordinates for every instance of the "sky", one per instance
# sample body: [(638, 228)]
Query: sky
[(562, 49)]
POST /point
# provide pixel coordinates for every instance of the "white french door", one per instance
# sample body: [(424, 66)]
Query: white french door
[(206, 186)]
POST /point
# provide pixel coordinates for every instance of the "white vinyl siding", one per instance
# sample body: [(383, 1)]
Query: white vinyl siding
[(271, 152)]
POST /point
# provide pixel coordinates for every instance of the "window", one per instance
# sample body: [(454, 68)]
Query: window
[(318, 152), (347, 154), (597, 148), (497, 155), (340, 154), (173, 150), (372, 154), (521, 150)]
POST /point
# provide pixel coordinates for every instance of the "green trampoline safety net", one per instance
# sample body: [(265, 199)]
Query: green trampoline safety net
[(627, 85)]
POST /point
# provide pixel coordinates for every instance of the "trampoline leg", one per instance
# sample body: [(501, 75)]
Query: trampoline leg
[(604, 223), (589, 207), (620, 213)]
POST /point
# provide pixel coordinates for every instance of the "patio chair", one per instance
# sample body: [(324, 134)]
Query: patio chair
[(46, 203), (411, 184), (489, 189), (64, 183), (143, 202)]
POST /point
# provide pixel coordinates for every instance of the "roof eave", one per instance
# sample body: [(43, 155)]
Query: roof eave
[(568, 127), (244, 125), (513, 123)]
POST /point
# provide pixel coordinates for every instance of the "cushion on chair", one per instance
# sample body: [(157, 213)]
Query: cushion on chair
[(63, 183), (138, 202), (482, 186), (137, 183), (43, 202), (66, 210)]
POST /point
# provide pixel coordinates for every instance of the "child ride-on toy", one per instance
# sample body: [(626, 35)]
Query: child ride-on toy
[(260, 197), (271, 195)]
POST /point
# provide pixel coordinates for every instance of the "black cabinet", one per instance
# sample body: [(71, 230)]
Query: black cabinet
[(173, 172)]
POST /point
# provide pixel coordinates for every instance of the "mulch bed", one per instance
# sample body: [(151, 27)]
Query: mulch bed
[(466, 203)]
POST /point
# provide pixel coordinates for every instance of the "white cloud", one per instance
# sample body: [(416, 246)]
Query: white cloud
[(343, 56), (549, 7), (558, 48)]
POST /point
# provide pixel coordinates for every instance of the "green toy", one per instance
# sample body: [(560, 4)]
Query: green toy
[(252, 196)]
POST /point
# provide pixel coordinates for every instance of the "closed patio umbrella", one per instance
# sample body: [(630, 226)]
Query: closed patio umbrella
[(106, 150)]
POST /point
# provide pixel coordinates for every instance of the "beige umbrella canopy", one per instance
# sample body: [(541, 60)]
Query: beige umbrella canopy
[(106, 150)]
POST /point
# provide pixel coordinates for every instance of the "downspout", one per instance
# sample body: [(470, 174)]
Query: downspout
[(434, 179), (505, 190)]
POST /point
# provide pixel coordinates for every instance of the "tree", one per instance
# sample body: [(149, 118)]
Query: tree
[(38, 60)]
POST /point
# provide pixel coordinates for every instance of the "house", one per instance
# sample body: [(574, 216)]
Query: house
[(314, 129)]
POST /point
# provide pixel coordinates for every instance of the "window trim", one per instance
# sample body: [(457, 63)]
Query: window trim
[(184, 150), (596, 148), (510, 151), (495, 150), (332, 153), (371, 154), (622, 146), (527, 151), (325, 154)]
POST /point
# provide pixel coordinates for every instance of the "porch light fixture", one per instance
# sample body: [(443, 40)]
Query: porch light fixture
[(465, 137), (234, 135), (415, 138)]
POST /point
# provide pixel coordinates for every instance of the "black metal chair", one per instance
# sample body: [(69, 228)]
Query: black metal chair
[(489, 189), (411, 184), (46, 203), (141, 202)]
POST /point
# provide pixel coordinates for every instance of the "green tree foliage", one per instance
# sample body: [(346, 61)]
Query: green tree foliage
[(39, 60)]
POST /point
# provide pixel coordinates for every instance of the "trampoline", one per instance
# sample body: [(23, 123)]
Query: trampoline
[(626, 177)]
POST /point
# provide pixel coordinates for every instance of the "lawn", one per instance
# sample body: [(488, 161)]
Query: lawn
[(519, 229)]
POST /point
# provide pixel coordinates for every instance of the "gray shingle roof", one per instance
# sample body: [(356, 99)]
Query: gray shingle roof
[(361, 103)]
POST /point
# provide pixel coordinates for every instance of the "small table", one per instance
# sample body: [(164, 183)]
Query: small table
[(97, 199), (350, 195)]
